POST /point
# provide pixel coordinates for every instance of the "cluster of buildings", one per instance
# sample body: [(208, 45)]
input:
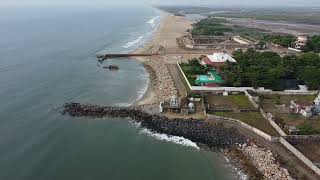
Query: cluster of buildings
[(186, 106), (306, 110)]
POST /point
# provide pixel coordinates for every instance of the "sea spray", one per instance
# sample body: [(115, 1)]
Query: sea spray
[(164, 137), (174, 139)]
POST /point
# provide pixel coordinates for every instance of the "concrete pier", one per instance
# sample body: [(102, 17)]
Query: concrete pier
[(108, 56)]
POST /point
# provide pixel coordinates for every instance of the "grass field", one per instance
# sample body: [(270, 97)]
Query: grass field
[(231, 101), (254, 119)]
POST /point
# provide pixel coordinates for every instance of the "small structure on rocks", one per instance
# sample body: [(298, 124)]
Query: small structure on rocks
[(173, 105)]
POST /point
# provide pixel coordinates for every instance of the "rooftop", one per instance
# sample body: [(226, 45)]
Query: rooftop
[(221, 58)]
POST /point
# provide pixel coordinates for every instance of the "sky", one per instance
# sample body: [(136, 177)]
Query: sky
[(231, 3)]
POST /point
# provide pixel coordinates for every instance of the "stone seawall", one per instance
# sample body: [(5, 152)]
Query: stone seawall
[(163, 84), (199, 131)]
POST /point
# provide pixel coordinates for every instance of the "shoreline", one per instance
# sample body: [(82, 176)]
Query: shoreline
[(149, 95), (241, 170), (242, 163), (161, 85)]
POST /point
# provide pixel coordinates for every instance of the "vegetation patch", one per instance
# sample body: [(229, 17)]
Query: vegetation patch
[(254, 119), (210, 27), (284, 40), (231, 101), (269, 70), (313, 44), (193, 68)]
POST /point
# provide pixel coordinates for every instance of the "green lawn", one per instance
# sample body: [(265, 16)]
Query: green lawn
[(231, 101), (254, 119)]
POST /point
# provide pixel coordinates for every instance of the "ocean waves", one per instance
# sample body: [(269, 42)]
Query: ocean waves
[(164, 137), (174, 139), (132, 43), (154, 23)]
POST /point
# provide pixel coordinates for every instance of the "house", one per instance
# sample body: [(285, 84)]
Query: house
[(301, 108), (301, 42), (317, 105), (306, 109), (216, 60)]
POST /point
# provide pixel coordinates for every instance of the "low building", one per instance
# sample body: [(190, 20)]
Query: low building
[(301, 108), (216, 60), (306, 109), (242, 40)]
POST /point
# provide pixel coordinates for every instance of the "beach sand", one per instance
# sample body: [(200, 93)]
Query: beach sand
[(170, 28)]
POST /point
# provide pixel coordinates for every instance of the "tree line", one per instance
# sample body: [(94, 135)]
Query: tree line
[(269, 70)]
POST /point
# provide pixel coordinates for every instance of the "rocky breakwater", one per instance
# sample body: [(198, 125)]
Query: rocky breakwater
[(199, 131), (265, 162), (163, 84)]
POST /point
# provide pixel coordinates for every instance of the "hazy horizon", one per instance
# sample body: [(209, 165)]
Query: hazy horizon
[(208, 3)]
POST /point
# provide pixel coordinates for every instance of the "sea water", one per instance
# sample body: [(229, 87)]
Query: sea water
[(47, 57)]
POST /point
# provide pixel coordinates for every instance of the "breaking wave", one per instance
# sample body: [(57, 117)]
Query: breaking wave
[(175, 139), (153, 22), (164, 137), (132, 43)]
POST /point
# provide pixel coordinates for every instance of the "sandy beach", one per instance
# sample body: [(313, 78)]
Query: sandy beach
[(161, 86)]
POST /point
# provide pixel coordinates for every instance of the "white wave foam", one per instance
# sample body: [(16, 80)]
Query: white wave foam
[(175, 139), (123, 104), (239, 174), (132, 43), (153, 21)]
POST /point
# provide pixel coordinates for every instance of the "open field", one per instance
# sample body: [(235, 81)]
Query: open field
[(276, 26), (254, 119), (236, 102), (231, 101)]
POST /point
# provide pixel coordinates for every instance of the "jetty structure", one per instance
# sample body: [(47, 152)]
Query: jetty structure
[(103, 57)]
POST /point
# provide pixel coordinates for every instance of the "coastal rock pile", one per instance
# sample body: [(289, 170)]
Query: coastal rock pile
[(163, 87), (199, 131), (265, 162)]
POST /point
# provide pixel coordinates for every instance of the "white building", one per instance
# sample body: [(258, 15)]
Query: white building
[(242, 40), (221, 57), (301, 41), (305, 109)]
